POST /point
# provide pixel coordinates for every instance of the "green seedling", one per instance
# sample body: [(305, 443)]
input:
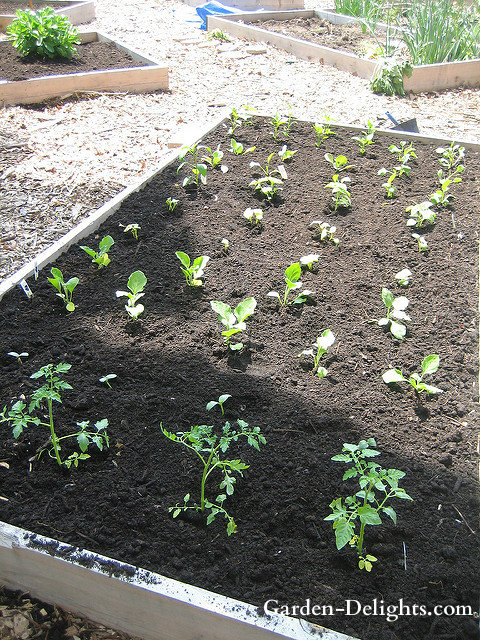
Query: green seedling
[(309, 261), (293, 283), (389, 187), (452, 156), (209, 447), (422, 243), (278, 122), (136, 284), (218, 403), (171, 204), (238, 149), (323, 131), (320, 347), (192, 271), (285, 154), (218, 34), (395, 313), (429, 365), (377, 487), (198, 168), (366, 138), (253, 216), (133, 228), (340, 163), (405, 152), (421, 214), (268, 184), (18, 356), (327, 231), (213, 158), (239, 117), (442, 196), (225, 244), (106, 379), (403, 277), (341, 196), (64, 289), (234, 320), (22, 417), (100, 257)]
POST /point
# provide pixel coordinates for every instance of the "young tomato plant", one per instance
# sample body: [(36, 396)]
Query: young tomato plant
[(209, 447), (377, 487), (341, 196), (421, 214), (136, 284), (198, 168), (320, 347), (100, 257), (429, 365), (192, 271), (366, 138), (395, 312), (65, 289), (293, 283), (327, 231), (218, 403), (22, 417), (340, 163), (253, 216), (234, 320)]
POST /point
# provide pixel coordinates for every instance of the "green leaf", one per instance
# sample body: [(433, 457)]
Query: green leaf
[(368, 515), (344, 532), (430, 364), (397, 329), (393, 375), (293, 272), (387, 298), (70, 306), (245, 309), (184, 258), (390, 513), (137, 282), (429, 389), (88, 251), (83, 441), (350, 473), (223, 310), (106, 244), (342, 457)]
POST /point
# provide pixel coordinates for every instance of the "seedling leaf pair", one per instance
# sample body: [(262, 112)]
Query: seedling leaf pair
[(234, 320), (429, 366), (136, 284)]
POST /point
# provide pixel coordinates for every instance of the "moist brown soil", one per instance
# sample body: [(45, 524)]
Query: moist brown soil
[(92, 56), (9, 8), (347, 37), (172, 361)]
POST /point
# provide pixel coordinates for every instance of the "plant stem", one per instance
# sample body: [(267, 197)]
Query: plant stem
[(53, 435), (204, 478)]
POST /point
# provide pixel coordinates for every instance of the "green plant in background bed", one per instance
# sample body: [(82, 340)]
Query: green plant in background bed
[(341, 196), (65, 289), (43, 34), (192, 271), (136, 284), (387, 78), (429, 365), (366, 138), (209, 447), (198, 169), (100, 257), (395, 312), (320, 347), (377, 487), (293, 283), (234, 320), (22, 417)]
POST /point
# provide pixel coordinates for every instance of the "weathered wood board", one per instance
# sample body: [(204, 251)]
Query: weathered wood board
[(78, 12)]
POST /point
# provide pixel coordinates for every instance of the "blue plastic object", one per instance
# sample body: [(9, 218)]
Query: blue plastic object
[(213, 8)]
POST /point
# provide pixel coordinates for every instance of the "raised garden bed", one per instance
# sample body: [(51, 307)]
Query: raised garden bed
[(130, 71), (78, 12), (432, 77), (253, 5), (172, 361)]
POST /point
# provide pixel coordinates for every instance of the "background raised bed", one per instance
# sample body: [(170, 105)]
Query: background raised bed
[(77, 12)]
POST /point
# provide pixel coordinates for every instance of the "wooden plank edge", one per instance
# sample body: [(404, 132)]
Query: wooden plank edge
[(134, 600), (78, 12), (95, 219)]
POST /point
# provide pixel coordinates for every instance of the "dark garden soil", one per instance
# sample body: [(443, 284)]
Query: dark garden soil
[(346, 37), (172, 361), (92, 56), (9, 8)]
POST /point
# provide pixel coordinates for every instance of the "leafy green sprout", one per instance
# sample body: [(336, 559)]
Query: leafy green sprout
[(136, 284), (106, 379), (253, 216), (405, 152), (234, 320), (452, 156), (327, 231), (132, 228), (213, 158), (442, 196), (320, 348), (429, 366), (18, 356), (193, 271), (197, 167), (421, 241), (238, 117), (238, 149), (340, 163), (293, 283), (377, 487), (389, 187), (286, 154), (395, 314), (341, 196), (22, 417), (268, 184), (209, 447), (171, 204), (421, 214), (323, 130), (309, 260), (366, 138), (218, 403), (225, 244), (277, 122), (64, 289), (218, 34), (100, 257), (403, 277)]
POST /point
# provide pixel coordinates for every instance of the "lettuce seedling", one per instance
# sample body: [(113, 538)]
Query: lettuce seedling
[(323, 131), (293, 283), (133, 229), (341, 196), (403, 277), (106, 379), (209, 447), (192, 271), (327, 231), (65, 289), (309, 261), (22, 417), (366, 137), (18, 356), (136, 284), (422, 243), (254, 216), (238, 149), (429, 365), (421, 214), (320, 347), (395, 312), (404, 152), (377, 487), (218, 403), (171, 204), (198, 169), (340, 163), (389, 187), (285, 154), (100, 257), (234, 320)]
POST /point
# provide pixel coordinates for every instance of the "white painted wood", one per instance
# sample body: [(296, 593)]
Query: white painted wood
[(135, 79), (77, 12), (253, 5)]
